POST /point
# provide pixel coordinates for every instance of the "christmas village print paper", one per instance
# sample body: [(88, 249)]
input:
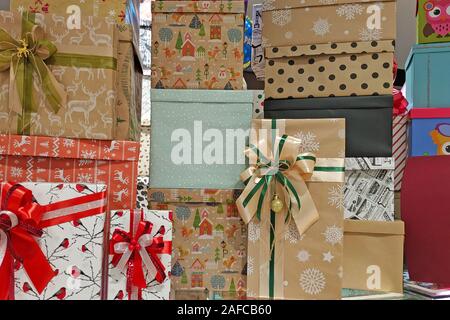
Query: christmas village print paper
[(309, 265), (117, 281), (197, 45), (73, 249), (209, 240)]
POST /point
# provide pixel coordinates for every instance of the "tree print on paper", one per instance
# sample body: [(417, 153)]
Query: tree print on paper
[(197, 220), (179, 43), (183, 213), (235, 36), (218, 282), (165, 35)]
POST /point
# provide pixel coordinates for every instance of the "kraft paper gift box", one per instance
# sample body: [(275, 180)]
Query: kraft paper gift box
[(297, 256), (140, 273), (427, 73), (188, 116), (197, 45), (373, 255), (369, 189), (368, 120), (75, 97), (64, 262), (45, 159), (425, 208), (258, 104), (144, 156), (209, 240), (429, 132), (432, 21)]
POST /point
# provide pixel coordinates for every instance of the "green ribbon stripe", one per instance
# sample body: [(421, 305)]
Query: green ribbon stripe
[(82, 61)]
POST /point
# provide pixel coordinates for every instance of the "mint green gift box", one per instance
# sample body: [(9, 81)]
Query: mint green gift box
[(193, 142)]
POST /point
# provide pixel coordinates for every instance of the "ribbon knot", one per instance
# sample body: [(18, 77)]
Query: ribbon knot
[(23, 52)]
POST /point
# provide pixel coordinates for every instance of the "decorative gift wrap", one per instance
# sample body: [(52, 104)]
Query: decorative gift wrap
[(429, 132), (184, 125), (327, 22), (197, 44), (146, 102), (368, 120), (331, 69), (292, 204), (369, 189), (129, 93), (258, 104), (51, 240), (427, 73), (43, 159), (142, 193), (65, 85), (209, 240), (399, 148), (433, 21), (140, 255), (144, 157), (258, 60), (373, 255)]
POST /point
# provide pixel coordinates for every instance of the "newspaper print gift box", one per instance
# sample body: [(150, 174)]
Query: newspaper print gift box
[(369, 189), (44, 159), (65, 262), (152, 265), (75, 95), (209, 240), (298, 257), (197, 45)]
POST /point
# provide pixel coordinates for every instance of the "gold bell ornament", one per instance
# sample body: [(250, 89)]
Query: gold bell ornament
[(277, 204)]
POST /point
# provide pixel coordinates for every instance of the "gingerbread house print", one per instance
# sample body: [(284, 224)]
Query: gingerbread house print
[(215, 32), (197, 265), (206, 226), (188, 48), (197, 268), (179, 84), (232, 211), (196, 248)]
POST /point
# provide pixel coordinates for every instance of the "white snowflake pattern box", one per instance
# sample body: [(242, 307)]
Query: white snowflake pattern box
[(72, 242), (369, 189), (152, 230)]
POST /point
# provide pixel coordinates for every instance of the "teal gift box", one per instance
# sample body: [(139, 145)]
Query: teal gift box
[(198, 138), (428, 76)]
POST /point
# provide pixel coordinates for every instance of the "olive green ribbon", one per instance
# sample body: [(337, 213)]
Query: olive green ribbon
[(24, 58)]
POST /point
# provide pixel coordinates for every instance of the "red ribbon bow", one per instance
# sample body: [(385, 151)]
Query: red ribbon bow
[(400, 102), (138, 248), (20, 216)]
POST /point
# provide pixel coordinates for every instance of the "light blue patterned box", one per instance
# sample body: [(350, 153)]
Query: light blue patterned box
[(428, 76), (175, 112)]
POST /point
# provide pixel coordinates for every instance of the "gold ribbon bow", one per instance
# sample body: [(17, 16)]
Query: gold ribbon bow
[(24, 58)]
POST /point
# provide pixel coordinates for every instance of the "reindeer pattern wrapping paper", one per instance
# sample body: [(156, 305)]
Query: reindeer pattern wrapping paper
[(85, 64), (72, 248)]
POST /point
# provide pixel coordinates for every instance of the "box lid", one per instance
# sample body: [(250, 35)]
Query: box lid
[(354, 164), (193, 196), (270, 5), (180, 7), (330, 49), (429, 113), (374, 227), (426, 48), (206, 96), (50, 147)]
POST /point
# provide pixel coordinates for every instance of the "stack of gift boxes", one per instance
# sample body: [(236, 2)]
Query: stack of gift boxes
[(69, 124), (423, 190)]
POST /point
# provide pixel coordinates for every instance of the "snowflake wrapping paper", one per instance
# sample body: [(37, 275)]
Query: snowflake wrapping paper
[(369, 189), (74, 249), (209, 241), (161, 222), (45, 159), (283, 264), (197, 45)]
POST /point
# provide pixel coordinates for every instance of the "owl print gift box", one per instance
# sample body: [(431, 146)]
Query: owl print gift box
[(433, 21)]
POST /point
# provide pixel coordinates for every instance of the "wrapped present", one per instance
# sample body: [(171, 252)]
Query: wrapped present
[(146, 102), (429, 132), (432, 21), (373, 255), (68, 91), (144, 45), (129, 93), (258, 104), (369, 189), (427, 74), (144, 157), (399, 148), (209, 241), (142, 193), (197, 45), (43, 159), (368, 120), (51, 240), (292, 204), (397, 205), (184, 120), (258, 61), (425, 211), (140, 255)]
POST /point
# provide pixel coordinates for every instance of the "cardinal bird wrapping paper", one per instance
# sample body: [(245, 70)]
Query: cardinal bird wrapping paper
[(140, 255), (64, 260)]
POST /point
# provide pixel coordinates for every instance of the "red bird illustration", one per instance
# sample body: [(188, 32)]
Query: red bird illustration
[(119, 296), (26, 287), (60, 294), (64, 244)]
